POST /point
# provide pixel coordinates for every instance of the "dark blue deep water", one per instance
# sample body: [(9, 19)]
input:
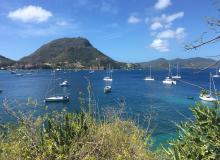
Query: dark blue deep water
[(168, 104)]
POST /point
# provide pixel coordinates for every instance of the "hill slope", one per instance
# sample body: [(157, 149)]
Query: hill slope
[(73, 52), (196, 62), (4, 62)]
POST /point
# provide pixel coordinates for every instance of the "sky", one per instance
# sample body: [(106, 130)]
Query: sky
[(125, 30)]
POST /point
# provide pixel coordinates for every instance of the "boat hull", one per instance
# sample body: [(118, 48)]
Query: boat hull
[(207, 98)]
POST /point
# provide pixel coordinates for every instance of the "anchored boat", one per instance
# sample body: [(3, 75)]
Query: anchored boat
[(169, 80), (149, 78), (208, 96)]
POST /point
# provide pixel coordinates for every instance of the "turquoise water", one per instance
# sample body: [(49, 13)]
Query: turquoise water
[(168, 104)]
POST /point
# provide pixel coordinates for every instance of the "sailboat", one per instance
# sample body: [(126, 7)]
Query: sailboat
[(208, 96), (149, 78), (216, 75), (177, 76), (57, 98), (169, 80), (109, 74)]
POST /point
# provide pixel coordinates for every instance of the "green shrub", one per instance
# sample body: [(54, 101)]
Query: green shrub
[(200, 138)]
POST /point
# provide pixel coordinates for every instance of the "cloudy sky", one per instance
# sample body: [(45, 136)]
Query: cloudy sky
[(126, 30)]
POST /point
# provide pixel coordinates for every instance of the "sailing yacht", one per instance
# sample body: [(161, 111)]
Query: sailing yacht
[(169, 79), (57, 98), (177, 76), (149, 78), (109, 74), (216, 75), (208, 96)]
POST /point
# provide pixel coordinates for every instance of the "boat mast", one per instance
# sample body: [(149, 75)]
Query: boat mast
[(169, 71), (150, 70), (177, 69)]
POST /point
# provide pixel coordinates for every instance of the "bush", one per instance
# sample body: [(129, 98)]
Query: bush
[(74, 136), (198, 139)]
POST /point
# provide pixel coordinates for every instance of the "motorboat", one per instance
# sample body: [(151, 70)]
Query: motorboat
[(107, 89)]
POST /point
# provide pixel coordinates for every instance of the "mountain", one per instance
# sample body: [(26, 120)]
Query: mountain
[(69, 52), (4, 62), (196, 62)]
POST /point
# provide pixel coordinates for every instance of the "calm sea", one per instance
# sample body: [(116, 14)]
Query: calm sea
[(167, 104)]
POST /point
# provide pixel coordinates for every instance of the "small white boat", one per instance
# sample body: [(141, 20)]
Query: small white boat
[(107, 89), (64, 84), (177, 76), (169, 80), (57, 99), (107, 78), (149, 78), (216, 75), (208, 96)]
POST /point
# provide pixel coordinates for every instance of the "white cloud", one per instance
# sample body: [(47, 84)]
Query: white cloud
[(134, 19), (165, 21), (30, 13), (156, 25), (172, 17), (179, 33), (162, 4), (160, 45)]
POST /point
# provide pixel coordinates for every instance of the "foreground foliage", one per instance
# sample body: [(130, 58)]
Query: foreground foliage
[(74, 136), (200, 138)]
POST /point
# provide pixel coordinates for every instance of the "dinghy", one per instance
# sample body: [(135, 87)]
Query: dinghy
[(107, 89)]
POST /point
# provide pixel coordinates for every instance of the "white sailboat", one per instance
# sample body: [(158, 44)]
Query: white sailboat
[(56, 98), (208, 96), (177, 76), (169, 80), (216, 75), (109, 74), (149, 78)]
